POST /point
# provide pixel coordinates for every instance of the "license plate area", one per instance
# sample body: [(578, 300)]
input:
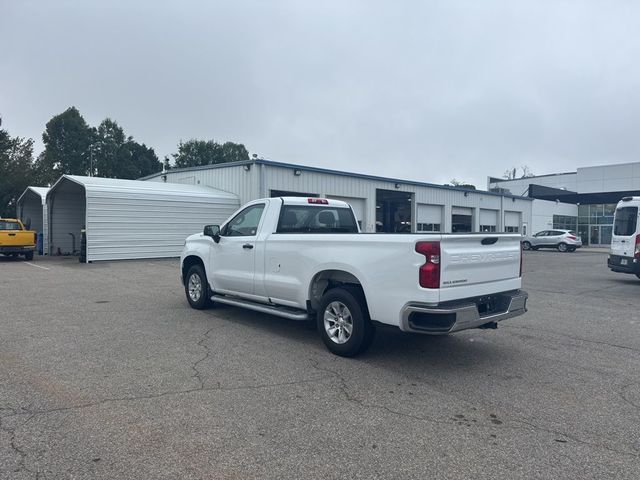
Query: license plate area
[(624, 261), (492, 304)]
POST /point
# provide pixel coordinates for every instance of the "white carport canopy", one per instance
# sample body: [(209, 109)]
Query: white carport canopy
[(32, 206), (128, 219)]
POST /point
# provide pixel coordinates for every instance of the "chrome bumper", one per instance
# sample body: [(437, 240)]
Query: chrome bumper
[(459, 315)]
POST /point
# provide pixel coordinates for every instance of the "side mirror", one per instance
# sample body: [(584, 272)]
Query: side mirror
[(212, 231)]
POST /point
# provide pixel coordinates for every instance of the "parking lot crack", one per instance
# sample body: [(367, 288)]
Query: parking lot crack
[(344, 389), (575, 438), (623, 396), (13, 443), (197, 374), (574, 338)]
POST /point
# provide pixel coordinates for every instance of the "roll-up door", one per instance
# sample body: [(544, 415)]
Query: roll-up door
[(488, 220), (512, 222), (429, 218)]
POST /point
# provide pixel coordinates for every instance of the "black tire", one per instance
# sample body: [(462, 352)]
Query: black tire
[(638, 275), (526, 245), (356, 315), (196, 277), (562, 247), (28, 256)]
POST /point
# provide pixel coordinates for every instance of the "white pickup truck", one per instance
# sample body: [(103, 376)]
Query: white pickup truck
[(305, 259)]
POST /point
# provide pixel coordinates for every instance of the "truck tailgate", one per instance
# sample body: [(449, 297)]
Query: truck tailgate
[(471, 264), (17, 238)]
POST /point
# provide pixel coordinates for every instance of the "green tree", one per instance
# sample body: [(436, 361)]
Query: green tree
[(16, 165), (117, 156), (144, 158), (67, 140), (195, 153), (110, 157)]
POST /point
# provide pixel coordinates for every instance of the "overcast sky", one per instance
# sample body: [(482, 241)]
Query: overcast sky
[(419, 90)]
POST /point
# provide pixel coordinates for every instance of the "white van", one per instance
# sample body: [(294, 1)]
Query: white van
[(625, 243)]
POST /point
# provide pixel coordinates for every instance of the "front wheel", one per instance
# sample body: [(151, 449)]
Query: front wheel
[(196, 288), (562, 247), (526, 245), (343, 322)]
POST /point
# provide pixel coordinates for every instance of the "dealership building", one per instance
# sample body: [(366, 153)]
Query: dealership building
[(380, 204), (111, 219), (583, 201)]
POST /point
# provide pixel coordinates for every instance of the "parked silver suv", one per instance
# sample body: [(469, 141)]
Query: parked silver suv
[(563, 240)]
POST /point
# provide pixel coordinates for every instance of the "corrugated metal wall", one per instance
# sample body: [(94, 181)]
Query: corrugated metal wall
[(30, 206), (237, 180), (67, 216), (146, 225), (261, 178)]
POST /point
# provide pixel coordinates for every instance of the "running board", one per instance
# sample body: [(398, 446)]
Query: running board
[(284, 312)]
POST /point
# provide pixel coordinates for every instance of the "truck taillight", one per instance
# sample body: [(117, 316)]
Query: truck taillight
[(429, 272), (320, 201), (35, 238), (637, 250)]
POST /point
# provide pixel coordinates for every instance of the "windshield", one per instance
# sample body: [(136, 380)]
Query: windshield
[(625, 222), (4, 225)]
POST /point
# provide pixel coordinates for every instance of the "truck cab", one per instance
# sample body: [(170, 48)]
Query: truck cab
[(16, 239)]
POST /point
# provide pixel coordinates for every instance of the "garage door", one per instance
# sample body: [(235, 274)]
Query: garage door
[(357, 204), (488, 220), (429, 218), (512, 222)]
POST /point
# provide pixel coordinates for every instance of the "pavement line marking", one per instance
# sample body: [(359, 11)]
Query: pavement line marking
[(37, 266)]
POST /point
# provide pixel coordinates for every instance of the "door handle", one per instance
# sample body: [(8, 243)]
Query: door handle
[(12, 234), (248, 246)]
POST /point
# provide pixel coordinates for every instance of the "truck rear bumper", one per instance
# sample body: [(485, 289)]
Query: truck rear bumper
[(26, 249), (460, 315), (621, 264)]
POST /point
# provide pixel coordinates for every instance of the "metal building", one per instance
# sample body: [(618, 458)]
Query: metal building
[(583, 201), (126, 219), (380, 204), (32, 205)]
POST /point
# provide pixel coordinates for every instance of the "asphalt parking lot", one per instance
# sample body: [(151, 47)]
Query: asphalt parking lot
[(105, 372)]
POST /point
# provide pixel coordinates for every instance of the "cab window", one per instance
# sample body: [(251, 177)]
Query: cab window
[(4, 225), (245, 223)]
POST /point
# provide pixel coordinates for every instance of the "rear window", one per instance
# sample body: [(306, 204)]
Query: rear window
[(308, 219), (9, 225), (625, 222)]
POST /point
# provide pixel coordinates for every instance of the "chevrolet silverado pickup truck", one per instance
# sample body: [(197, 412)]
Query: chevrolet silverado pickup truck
[(15, 239), (305, 259)]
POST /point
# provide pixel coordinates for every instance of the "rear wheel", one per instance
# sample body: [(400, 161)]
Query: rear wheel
[(526, 245), (196, 288), (562, 247), (343, 322), (28, 256)]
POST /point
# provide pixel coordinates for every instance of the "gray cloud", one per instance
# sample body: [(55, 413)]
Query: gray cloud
[(420, 90)]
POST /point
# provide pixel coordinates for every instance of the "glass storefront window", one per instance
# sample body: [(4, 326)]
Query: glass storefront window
[(595, 223), (583, 210)]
